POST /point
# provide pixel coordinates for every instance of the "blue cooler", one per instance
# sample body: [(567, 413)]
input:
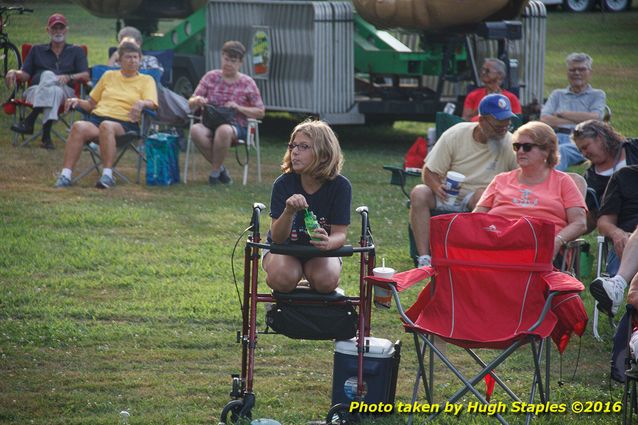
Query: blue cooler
[(380, 370)]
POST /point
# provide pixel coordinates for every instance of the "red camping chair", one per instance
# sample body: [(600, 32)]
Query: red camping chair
[(496, 289), (20, 108)]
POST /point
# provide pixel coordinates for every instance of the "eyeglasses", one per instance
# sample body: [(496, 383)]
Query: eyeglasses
[(581, 69), (526, 146), (302, 146), (231, 59), (485, 71), (499, 128)]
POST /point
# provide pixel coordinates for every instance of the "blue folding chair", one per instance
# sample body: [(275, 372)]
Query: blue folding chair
[(129, 141)]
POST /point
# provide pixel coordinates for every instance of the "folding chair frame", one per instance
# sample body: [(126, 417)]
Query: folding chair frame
[(424, 341), (423, 320), (21, 107), (630, 391), (251, 142), (125, 142)]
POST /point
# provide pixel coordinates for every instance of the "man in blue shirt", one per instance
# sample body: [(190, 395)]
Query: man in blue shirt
[(576, 103), (51, 68)]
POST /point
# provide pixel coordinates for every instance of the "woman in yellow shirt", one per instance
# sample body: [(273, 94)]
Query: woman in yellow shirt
[(115, 106)]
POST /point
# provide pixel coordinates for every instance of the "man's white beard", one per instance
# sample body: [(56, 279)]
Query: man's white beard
[(494, 144), (58, 38)]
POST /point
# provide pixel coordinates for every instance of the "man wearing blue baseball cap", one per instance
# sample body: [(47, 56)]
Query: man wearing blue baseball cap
[(476, 150)]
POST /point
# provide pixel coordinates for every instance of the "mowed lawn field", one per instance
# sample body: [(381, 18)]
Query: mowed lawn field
[(125, 300)]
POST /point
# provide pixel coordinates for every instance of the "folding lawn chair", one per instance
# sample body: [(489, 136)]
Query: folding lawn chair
[(130, 141), (19, 107), (496, 289), (242, 150)]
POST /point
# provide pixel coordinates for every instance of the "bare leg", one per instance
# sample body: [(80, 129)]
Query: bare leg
[(214, 151), (81, 131), (323, 273), (108, 148), (629, 267), (283, 272), (422, 200), (203, 139), (224, 136)]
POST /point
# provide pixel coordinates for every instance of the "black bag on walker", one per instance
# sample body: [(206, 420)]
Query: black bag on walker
[(313, 321), (162, 159)]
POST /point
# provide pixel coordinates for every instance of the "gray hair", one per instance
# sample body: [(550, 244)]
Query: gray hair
[(499, 65), (131, 32), (580, 58)]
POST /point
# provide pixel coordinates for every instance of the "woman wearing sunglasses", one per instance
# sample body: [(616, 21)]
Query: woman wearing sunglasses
[(536, 189)]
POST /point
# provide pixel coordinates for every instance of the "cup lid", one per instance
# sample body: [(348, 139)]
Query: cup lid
[(383, 270)]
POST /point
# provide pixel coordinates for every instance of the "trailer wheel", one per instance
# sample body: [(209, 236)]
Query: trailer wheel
[(340, 414), (183, 84), (231, 413), (578, 5), (616, 5)]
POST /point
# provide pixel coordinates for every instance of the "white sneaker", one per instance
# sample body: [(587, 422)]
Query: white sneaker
[(424, 261), (609, 292), (633, 345), (632, 372)]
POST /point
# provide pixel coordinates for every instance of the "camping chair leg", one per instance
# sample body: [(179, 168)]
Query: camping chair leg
[(469, 385), (498, 380), (548, 355), (629, 401), (537, 354), (95, 157), (421, 375)]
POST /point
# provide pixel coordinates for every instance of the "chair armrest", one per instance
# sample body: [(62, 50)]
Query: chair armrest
[(404, 280), (399, 177), (561, 282)]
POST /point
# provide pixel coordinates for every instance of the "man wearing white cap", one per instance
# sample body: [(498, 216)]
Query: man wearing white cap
[(477, 150), (52, 68)]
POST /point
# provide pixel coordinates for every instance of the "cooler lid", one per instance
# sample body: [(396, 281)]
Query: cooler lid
[(374, 347)]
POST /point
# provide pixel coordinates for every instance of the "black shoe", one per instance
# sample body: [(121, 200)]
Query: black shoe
[(22, 128), (223, 178), (47, 144)]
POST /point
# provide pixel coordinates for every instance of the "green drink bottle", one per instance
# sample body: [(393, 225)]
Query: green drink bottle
[(310, 220)]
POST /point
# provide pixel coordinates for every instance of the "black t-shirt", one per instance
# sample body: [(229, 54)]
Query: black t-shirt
[(621, 197), (599, 183), (331, 204)]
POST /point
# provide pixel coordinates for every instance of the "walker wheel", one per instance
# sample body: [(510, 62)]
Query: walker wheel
[(231, 413), (339, 414)]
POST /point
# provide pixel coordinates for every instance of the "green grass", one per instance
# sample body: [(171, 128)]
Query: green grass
[(124, 300)]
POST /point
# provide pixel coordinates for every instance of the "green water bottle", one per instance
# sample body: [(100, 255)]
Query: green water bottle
[(310, 220)]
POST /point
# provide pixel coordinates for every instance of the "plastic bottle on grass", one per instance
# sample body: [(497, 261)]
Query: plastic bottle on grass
[(310, 220)]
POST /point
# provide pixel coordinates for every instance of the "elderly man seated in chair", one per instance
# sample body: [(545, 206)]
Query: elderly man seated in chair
[(576, 103), (479, 151), (51, 68), (115, 106)]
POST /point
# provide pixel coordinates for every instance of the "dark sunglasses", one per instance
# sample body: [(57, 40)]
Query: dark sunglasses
[(526, 146)]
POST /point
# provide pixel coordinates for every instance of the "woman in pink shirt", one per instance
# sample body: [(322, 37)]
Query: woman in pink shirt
[(536, 189)]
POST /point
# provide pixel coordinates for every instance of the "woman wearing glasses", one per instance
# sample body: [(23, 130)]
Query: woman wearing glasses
[(493, 74), (311, 181), (536, 189), (228, 88)]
